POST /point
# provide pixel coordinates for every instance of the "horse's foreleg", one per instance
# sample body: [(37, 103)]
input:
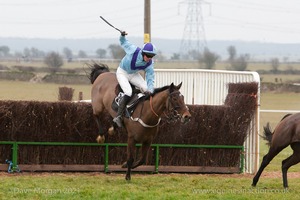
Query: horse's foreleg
[(101, 137), (144, 153), (131, 149)]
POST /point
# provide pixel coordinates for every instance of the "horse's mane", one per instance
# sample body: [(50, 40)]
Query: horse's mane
[(96, 70), (158, 90), (285, 116)]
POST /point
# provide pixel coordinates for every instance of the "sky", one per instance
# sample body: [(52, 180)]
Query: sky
[(247, 20)]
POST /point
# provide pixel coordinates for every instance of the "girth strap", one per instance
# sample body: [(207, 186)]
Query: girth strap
[(143, 123)]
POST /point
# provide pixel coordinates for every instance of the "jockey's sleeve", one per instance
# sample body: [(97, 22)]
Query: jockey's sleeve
[(150, 77), (126, 45)]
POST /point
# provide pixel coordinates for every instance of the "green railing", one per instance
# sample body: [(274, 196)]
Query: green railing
[(107, 145)]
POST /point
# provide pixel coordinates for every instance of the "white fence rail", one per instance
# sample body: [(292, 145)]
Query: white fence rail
[(210, 87), (279, 111)]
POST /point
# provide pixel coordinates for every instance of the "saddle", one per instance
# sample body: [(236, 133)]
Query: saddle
[(130, 107)]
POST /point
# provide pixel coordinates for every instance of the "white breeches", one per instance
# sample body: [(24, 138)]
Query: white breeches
[(136, 79)]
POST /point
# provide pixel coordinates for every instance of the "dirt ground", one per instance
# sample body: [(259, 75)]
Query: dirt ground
[(276, 174)]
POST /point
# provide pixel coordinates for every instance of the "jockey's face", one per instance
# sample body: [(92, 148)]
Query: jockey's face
[(147, 59)]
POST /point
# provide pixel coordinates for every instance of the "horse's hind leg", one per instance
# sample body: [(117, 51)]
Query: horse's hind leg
[(144, 153), (290, 161), (101, 137), (266, 160)]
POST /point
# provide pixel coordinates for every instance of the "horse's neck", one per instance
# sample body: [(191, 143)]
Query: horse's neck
[(159, 102)]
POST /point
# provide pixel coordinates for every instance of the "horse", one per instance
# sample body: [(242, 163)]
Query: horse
[(286, 133), (142, 126)]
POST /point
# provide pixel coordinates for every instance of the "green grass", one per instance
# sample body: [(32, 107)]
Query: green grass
[(145, 186), (281, 78), (17, 90)]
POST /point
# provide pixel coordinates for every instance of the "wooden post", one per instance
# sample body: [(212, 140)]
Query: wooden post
[(147, 21), (80, 96)]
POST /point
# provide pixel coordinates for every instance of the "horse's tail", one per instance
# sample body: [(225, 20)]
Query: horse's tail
[(267, 134), (96, 70)]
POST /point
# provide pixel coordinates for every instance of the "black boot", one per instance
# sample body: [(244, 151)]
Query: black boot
[(121, 109)]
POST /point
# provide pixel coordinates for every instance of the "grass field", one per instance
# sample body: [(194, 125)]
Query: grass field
[(149, 186), (142, 186)]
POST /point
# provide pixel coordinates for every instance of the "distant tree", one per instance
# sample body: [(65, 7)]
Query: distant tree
[(4, 51), (275, 64), (26, 53), (240, 63), (101, 53), (116, 51), (68, 54), (82, 54), (175, 56), (53, 60), (285, 59), (237, 63), (232, 53), (35, 53), (209, 58)]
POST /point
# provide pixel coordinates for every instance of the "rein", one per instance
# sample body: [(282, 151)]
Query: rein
[(138, 119), (151, 106)]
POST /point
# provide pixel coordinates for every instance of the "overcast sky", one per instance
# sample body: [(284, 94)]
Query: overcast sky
[(247, 20)]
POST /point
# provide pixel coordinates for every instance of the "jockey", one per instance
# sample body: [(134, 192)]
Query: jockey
[(135, 60)]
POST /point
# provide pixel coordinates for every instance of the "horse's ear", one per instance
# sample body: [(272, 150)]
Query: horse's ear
[(172, 86), (179, 86)]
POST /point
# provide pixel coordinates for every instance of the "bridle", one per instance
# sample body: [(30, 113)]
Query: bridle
[(171, 113)]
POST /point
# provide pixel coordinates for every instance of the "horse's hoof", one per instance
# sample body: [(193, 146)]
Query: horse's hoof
[(111, 131), (100, 139), (128, 178)]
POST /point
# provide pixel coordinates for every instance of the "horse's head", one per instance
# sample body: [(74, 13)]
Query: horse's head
[(176, 106)]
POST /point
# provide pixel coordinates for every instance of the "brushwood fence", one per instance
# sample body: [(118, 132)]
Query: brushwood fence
[(61, 136)]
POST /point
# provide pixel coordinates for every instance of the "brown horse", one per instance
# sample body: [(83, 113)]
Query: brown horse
[(143, 124), (286, 133)]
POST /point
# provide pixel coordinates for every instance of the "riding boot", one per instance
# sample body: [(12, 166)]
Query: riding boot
[(121, 109)]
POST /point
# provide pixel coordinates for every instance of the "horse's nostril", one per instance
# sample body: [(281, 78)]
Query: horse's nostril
[(186, 118)]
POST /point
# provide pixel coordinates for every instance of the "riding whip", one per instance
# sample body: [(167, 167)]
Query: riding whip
[(111, 24)]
